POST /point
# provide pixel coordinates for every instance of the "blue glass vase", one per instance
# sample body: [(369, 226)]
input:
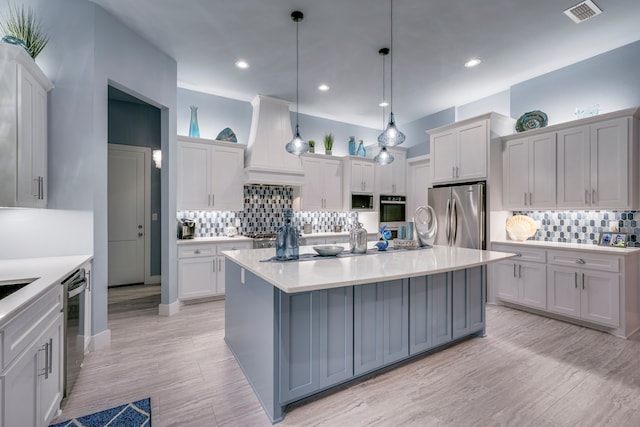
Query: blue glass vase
[(194, 131), (361, 150), (352, 146), (287, 247)]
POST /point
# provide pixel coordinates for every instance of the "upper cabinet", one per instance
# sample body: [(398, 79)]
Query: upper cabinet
[(460, 151), (23, 120), (392, 178), (359, 174), (322, 189), (210, 175), (595, 165), (530, 172)]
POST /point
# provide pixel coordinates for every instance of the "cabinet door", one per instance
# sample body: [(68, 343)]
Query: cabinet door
[(395, 330), (573, 168), (399, 170), (332, 184), (609, 160), (335, 335), (368, 177), (516, 173), (367, 327), (505, 279), (227, 179), (196, 277), (220, 275), (418, 177), (443, 156), (313, 189), (193, 192), (467, 301), (298, 345), (533, 284), (472, 154), (563, 293), (542, 171), (32, 138), (355, 184), (51, 387), (21, 388), (429, 312), (600, 297)]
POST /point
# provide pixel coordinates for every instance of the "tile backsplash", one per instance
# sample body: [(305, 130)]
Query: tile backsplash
[(263, 207), (584, 226)]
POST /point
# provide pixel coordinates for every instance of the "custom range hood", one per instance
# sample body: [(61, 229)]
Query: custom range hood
[(265, 159)]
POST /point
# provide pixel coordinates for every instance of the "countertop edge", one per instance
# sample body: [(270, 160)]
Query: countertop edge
[(570, 247)]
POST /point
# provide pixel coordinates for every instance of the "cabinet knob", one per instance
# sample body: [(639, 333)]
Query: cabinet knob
[(580, 261), (197, 251), (518, 253)]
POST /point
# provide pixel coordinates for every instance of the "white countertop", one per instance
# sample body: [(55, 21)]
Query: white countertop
[(47, 271), (570, 246), (216, 239), (327, 273)]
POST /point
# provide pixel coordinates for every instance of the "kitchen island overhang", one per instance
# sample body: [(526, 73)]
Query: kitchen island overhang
[(300, 328)]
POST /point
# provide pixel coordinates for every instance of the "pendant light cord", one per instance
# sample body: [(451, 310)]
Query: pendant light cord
[(297, 73), (384, 66), (391, 69)]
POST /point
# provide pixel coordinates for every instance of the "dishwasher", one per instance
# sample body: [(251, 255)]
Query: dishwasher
[(74, 288)]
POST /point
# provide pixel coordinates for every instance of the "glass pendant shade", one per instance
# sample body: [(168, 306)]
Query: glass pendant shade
[(297, 145), (391, 135), (383, 157)]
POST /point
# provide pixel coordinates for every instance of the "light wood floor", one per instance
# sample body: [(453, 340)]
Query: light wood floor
[(528, 371)]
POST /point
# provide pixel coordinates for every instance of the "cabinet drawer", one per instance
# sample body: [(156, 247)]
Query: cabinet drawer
[(584, 260), (524, 253), (25, 327), (197, 250), (232, 246)]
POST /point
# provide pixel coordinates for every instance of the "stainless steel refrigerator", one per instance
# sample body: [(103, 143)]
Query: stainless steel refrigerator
[(460, 211)]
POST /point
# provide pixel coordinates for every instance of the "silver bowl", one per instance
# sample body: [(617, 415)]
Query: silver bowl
[(328, 250)]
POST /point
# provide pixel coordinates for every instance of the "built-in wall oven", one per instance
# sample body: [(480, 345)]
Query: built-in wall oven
[(393, 212), (74, 288)]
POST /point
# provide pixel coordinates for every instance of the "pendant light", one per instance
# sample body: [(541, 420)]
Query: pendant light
[(297, 145), (383, 157), (391, 136)]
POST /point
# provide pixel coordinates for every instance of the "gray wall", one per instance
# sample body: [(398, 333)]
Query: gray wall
[(88, 50), (139, 125)]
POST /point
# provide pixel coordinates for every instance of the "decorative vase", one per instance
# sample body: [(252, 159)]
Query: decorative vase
[(361, 150), (352, 145), (312, 149), (327, 152), (194, 131)]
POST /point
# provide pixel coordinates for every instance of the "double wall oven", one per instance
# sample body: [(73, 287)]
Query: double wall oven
[(393, 212)]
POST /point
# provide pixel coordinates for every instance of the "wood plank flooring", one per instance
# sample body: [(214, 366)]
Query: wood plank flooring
[(528, 371)]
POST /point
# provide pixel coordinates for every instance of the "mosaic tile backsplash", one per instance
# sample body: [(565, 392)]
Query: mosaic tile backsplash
[(584, 226), (263, 207)]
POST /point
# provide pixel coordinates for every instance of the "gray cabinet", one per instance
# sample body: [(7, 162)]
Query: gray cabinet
[(429, 312), (316, 341), (468, 299), (381, 324)]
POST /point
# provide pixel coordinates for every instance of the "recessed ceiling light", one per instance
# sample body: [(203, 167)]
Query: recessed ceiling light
[(242, 64), (383, 104), (472, 62), (323, 87)]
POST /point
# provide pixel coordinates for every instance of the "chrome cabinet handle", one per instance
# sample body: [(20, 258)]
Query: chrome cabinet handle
[(514, 270), (580, 261), (575, 280), (453, 171), (530, 199), (520, 271), (583, 281), (88, 280), (593, 197), (525, 198), (213, 200), (209, 202), (45, 371), (50, 356), (457, 172), (586, 195)]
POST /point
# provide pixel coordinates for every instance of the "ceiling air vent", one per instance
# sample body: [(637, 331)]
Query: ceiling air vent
[(583, 11)]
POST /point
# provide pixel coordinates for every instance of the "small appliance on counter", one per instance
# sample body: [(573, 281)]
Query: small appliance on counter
[(186, 228)]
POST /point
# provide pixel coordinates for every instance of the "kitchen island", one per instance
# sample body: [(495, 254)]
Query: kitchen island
[(300, 328)]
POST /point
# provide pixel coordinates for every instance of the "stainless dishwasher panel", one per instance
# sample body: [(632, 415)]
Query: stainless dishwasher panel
[(74, 331)]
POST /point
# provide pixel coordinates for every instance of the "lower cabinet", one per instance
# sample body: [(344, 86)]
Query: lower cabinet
[(429, 312), (201, 267), (316, 341), (521, 282), (32, 382), (334, 240), (468, 299)]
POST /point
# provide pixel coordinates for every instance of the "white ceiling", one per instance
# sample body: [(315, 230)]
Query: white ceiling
[(340, 39)]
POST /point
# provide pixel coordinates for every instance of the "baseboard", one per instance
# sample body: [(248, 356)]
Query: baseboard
[(153, 280), (169, 309), (100, 341)]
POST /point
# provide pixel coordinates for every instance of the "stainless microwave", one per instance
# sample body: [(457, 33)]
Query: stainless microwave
[(361, 202)]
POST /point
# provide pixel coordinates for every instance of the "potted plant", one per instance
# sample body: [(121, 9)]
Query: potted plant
[(328, 143), (21, 27), (312, 146)]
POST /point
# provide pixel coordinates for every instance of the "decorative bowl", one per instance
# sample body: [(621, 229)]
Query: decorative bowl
[(520, 227), (328, 250), (531, 120)]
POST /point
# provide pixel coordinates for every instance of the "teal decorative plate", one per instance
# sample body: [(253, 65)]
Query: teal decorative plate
[(227, 134), (531, 120)]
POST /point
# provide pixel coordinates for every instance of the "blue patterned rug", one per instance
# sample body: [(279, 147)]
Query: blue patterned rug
[(136, 414)]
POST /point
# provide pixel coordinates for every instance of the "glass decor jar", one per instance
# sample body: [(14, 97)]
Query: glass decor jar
[(361, 150), (352, 145), (287, 239), (194, 130), (358, 239)]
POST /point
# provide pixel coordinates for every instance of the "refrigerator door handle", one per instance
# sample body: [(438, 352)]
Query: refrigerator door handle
[(454, 223), (447, 226)]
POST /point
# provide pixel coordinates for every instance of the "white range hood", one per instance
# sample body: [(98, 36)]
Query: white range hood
[(266, 161)]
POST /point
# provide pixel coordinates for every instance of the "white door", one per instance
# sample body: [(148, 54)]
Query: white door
[(533, 284), (443, 156), (126, 224), (505, 279), (573, 168), (600, 298), (542, 171), (472, 154), (332, 181), (609, 160), (516, 173)]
